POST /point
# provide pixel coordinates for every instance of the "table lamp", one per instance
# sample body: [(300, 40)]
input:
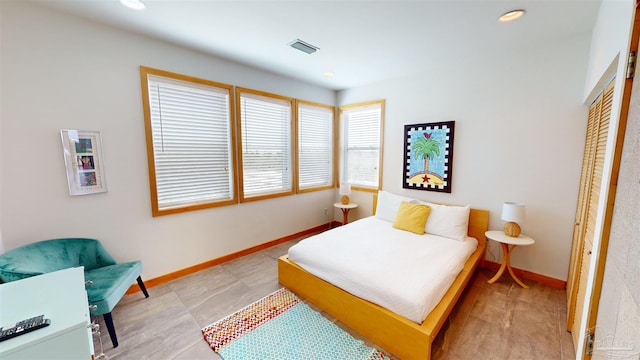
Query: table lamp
[(512, 212), (345, 191)]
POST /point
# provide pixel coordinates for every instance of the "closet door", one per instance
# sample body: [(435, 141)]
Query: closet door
[(577, 245), (587, 207)]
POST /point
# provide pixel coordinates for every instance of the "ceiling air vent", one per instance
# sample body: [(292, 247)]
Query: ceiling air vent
[(303, 46)]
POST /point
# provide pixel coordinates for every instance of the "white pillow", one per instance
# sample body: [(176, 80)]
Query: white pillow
[(388, 205), (448, 221)]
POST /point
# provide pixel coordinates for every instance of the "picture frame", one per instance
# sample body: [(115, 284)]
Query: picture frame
[(83, 161), (428, 156)]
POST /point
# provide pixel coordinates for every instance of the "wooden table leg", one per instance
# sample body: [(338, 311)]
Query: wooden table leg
[(515, 278), (506, 263), (345, 216)]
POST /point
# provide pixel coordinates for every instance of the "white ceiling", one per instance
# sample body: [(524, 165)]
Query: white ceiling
[(360, 41)]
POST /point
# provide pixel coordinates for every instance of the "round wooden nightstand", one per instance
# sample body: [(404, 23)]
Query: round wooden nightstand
[(345, 210), (505, 241)]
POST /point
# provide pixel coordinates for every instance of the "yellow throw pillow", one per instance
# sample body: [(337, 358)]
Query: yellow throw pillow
[(412, 217)]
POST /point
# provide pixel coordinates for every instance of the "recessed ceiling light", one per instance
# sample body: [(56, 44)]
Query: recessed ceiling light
[(511, 15), (328, 74), (133, 4)]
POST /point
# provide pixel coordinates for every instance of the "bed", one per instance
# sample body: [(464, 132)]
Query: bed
[(395, 333)]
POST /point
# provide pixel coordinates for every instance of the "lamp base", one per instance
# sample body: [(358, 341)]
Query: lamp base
[(511, 229), (344, 199)]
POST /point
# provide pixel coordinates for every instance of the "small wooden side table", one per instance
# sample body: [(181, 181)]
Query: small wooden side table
[(505, 241), (345, 210)]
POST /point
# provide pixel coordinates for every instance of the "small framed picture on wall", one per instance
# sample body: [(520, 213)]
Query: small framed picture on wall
[(82, 152)]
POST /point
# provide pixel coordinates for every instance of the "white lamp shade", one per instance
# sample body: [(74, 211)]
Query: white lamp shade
[(513, 211), (345, 189)]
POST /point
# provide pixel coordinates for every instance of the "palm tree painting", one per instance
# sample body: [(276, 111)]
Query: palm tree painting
[(429, 156), (426, 148)]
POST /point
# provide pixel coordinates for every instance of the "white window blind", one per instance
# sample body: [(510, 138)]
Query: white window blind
[(191, 142), (315, 146), (266, 145), (361, 136)]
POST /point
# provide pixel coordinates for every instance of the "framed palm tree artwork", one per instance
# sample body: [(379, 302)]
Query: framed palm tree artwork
[(428, 156)]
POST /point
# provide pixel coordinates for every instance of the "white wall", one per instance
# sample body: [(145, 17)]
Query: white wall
[(519, 136), (61, 72), (610, 37)]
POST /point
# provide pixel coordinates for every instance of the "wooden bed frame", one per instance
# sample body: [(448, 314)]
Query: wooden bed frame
[(392, 332)]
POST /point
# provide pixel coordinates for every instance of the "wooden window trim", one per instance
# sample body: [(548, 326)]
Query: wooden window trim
[(293, 137), (156, 211), (381, 152), (335, 146)]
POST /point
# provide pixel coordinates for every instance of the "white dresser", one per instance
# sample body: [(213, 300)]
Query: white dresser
[(61, 297)]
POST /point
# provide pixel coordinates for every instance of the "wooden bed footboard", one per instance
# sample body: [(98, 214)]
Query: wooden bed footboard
[(394, 333)]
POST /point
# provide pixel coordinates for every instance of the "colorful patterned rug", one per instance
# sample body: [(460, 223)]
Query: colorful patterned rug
[(281, 326)]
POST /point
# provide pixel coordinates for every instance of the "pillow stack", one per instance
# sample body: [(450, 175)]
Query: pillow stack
[(423, 217)]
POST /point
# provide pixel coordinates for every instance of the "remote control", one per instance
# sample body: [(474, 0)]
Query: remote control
[(23, 327)]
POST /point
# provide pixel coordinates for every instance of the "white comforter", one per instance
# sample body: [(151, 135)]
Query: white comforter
[(399, 270)]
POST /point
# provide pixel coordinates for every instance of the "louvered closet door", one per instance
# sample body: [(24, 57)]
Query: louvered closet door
[(577, 245), (587, 207)]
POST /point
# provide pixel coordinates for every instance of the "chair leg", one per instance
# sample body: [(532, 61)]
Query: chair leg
[(142, 287), (108, 320)]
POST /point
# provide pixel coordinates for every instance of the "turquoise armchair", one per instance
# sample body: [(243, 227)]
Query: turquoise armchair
[(106, 281)]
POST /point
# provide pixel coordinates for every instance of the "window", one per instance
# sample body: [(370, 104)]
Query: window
[(189, 141), (315, 146), (361, 156), (265, 144)]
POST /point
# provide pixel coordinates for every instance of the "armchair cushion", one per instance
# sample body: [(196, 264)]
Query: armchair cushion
[(109, 284)]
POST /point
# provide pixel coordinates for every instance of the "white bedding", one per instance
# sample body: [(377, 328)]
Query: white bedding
[(399, 270)]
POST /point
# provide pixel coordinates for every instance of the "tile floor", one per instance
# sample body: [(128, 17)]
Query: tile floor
[(497, 321)]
